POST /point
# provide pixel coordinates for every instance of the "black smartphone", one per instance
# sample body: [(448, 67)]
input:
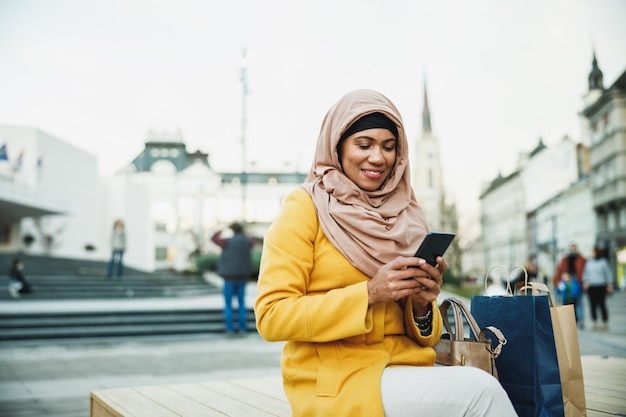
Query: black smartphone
[(434, 244)]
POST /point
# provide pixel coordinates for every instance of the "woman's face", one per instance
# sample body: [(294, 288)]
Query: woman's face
[(368, 157)]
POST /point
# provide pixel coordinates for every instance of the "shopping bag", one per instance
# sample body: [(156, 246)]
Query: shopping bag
[(454, 349), (528, 368), (567, 351)]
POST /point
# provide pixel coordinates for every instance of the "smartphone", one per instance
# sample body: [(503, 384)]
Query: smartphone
[(434, 244)]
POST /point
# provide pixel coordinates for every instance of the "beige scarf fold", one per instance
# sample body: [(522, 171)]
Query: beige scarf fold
[(369, 228)]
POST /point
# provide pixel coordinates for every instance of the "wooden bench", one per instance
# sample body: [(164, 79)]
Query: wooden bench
[(242, 397), (604, 389)]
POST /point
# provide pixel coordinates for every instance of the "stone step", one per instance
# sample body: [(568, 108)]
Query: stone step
[(20, 326), (87, 287)]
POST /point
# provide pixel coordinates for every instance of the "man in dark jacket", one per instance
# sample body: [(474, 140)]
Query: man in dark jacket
[(235, 267)]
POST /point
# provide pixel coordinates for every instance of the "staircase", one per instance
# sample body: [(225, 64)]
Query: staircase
[(67, 279), (120, 307), (92, 325)]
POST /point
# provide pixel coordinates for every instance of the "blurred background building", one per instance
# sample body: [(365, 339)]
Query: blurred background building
[(574, 192), (52, 201)]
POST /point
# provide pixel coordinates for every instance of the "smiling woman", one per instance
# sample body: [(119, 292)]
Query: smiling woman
[(335, 282)]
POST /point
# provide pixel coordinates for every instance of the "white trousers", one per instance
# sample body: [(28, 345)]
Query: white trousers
[(448, 391)]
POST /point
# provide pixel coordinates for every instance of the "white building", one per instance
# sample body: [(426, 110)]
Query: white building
[(509, 223), (429, 188), (605, 127), (171, 201), (503, 221), (50, 191), (560, 221), (427, 176)]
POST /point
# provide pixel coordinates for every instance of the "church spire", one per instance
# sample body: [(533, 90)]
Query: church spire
[(595, 76), (426, 127)]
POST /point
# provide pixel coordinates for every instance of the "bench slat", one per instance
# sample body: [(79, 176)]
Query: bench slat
[(222, 404), (126, 402)]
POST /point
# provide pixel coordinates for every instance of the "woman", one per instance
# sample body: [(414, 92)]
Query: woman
[(118, 246), (339, 283), (598, 282)]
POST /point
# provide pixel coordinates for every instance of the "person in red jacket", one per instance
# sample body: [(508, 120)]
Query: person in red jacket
[(574, 264)]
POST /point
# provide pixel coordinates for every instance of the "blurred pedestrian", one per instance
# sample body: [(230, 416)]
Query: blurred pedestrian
[(118, 246), (532, 272), (18, 284), (574, 264), (235, 267), (598, 282), (568, 289)]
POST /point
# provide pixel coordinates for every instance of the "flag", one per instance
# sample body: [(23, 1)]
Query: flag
[(3, 153), (18, 162), (39, 167)]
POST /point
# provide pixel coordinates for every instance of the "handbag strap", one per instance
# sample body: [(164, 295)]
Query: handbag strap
[(495, 352), (460, 310), (458, 319)]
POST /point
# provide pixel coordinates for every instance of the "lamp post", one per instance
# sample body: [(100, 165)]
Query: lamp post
[(244, 109)]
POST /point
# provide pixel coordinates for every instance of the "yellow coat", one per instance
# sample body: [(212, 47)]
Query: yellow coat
[(311, 296)]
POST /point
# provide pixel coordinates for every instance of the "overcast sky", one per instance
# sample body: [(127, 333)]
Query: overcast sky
[(101, 73)]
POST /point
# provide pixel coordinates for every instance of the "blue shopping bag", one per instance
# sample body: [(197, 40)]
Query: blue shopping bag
[(528, 368)]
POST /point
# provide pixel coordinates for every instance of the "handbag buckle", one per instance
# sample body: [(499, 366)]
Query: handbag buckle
[(496, 352)]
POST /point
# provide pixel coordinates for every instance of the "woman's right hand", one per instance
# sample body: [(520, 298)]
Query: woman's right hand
[(396, 280)]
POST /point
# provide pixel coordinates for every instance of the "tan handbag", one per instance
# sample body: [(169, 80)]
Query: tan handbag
[(454, 349)]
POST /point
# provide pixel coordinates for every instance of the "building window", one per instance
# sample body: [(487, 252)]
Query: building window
[(611, 175), (160, 227), (5, 233), (601, 221), (160, 253), (595, 134), (611, 223)]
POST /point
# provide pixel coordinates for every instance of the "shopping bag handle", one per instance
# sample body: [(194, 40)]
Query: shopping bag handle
[(535, 287), (509, 291)]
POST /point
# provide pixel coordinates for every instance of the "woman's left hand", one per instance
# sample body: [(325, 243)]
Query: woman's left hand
[(430, 286)]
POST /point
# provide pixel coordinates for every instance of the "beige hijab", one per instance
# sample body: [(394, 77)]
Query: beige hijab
[(369, 228)]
